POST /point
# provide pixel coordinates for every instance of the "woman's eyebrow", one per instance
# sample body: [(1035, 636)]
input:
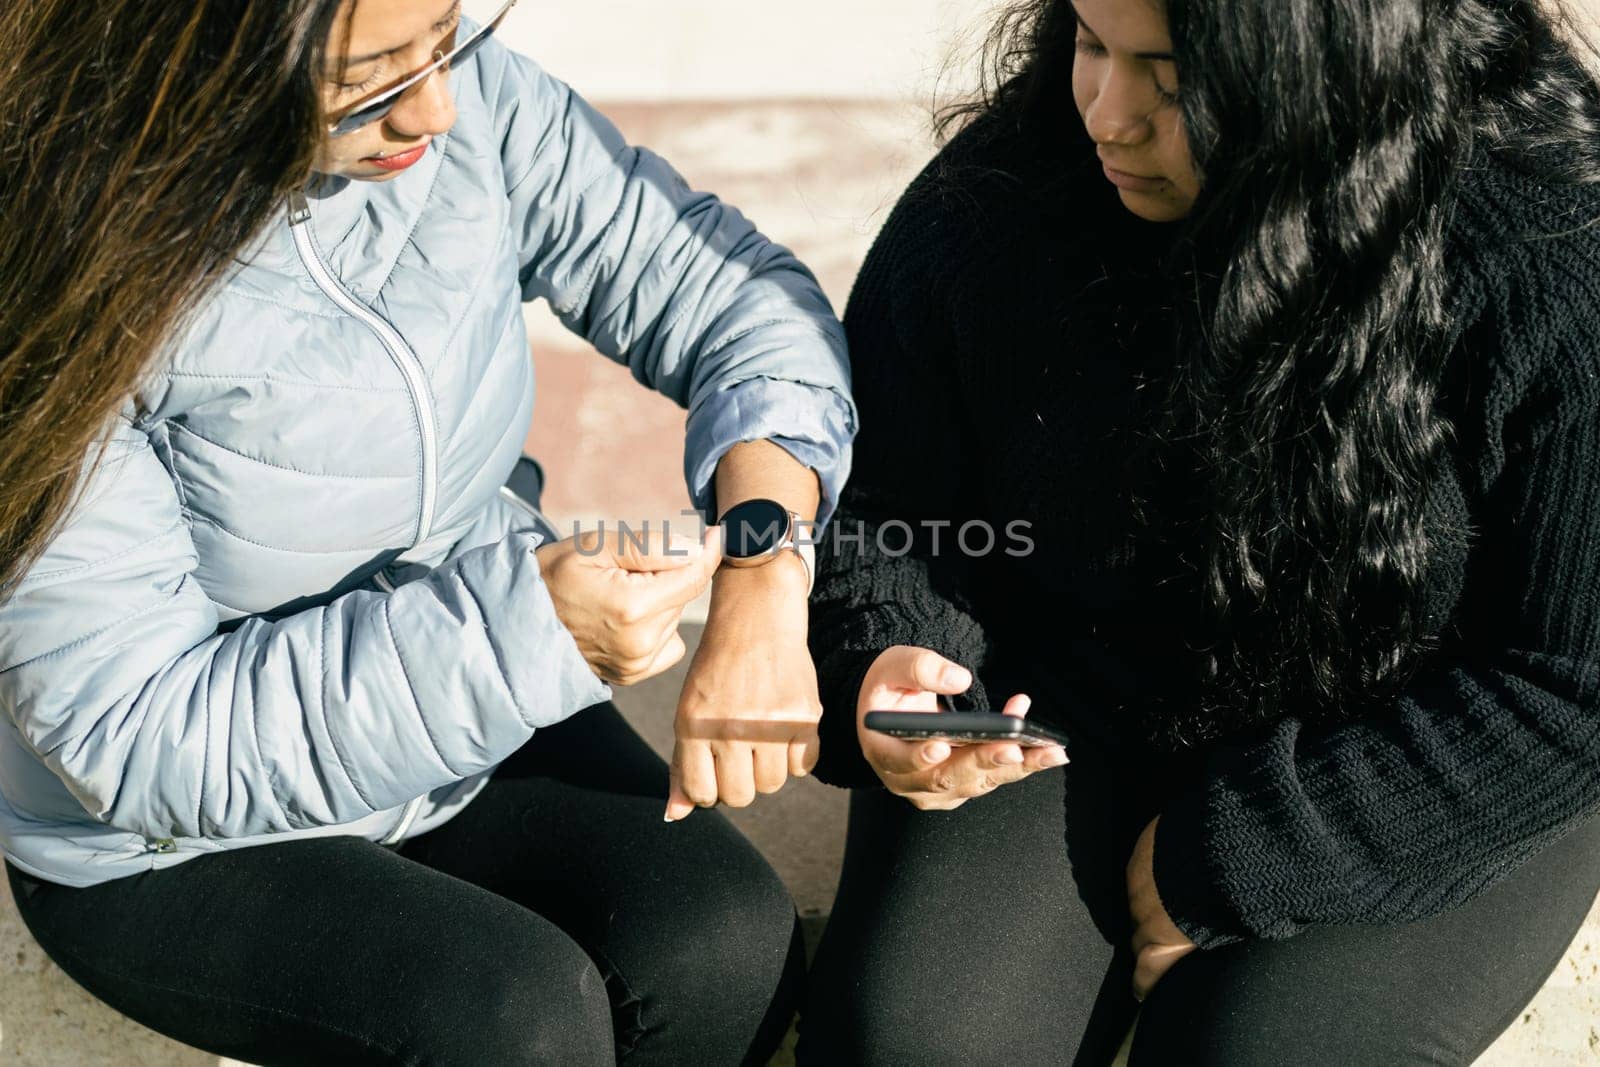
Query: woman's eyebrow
[(437, 27), (1154, 57)]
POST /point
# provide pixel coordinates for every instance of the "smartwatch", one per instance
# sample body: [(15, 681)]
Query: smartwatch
[(756, 531)]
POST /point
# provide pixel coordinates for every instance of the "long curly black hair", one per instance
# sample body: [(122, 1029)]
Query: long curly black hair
[(1330, 136)]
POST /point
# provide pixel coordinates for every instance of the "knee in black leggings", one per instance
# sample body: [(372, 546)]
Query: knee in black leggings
[(885, 1018), (727, 964), (524, 996)]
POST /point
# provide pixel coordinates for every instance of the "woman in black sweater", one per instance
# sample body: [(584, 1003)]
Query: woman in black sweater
[(1245, 418)]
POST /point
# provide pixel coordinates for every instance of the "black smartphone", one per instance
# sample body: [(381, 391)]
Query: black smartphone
[(964, 727)]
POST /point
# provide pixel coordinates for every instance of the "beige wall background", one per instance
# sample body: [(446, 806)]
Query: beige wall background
[(663, 50), (666, 50)]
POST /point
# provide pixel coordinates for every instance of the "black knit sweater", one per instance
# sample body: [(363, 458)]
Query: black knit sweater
[(1003, 331)]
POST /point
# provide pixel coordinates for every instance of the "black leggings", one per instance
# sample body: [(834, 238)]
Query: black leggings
[(971, 937), (557, 920)]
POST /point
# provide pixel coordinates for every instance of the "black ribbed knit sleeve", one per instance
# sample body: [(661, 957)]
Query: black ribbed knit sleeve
[(881, 578), (1494, 751)]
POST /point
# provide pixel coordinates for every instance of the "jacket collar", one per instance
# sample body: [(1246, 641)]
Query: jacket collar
[(360, 229)]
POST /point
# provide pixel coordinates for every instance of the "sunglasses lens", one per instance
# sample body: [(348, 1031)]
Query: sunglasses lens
[(379, 108), (365, 116)]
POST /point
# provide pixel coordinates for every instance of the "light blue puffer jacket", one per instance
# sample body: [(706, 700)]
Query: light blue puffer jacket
[(292, 600)]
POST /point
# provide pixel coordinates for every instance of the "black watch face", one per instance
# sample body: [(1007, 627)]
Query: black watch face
[(754, 528)]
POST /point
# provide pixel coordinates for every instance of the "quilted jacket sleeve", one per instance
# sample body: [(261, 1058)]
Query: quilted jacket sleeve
[(674, 283), (113, 669)]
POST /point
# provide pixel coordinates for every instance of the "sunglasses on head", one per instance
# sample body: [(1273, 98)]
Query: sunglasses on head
[(380, 105)]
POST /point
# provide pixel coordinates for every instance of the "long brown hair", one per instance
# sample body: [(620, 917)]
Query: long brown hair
[(142, 145)]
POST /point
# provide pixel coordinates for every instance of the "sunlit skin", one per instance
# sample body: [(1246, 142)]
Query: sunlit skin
[(1125, 84), (380, 43)]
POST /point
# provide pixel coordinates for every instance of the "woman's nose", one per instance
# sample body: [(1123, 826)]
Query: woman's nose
[(428, 109), (1119, 113)]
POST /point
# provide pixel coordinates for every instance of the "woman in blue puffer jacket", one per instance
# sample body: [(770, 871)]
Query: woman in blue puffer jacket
[(292, 765)]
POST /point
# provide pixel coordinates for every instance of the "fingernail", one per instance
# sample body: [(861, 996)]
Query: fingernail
[(1010, 757), (1057, 758), (956, 677), (667, 817), (936, 753)]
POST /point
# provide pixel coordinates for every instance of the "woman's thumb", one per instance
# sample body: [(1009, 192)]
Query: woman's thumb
[(932, 672), (656, 552)]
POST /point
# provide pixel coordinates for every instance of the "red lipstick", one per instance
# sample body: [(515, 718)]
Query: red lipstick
[(400, 160)]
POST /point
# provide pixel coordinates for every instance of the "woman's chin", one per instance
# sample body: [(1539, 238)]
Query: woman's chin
[(1152, 208)]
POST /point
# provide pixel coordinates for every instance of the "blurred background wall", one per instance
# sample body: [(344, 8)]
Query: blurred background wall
[(722, 49), (809, 117)]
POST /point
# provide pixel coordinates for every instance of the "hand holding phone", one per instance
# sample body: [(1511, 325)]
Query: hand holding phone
[(941, 772)]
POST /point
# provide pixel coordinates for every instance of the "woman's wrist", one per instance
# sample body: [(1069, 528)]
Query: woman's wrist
[(780, 586)]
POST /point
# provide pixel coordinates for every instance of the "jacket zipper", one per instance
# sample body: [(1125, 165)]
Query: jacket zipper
[(305, 245), (540, 518), (408, 817)]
